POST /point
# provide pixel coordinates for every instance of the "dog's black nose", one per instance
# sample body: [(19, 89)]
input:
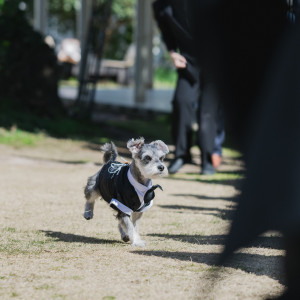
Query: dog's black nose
[(161, 168)]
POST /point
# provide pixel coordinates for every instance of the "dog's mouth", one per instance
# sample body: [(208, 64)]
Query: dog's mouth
[(157, 174), (162, 173)]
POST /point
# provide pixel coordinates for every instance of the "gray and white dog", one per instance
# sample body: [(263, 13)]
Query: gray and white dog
[(127, 188)]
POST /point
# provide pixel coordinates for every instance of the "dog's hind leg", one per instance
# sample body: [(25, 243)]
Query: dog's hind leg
[(91, 194), (128, 227)]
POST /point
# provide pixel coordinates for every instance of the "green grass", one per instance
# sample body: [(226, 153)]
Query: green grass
[(165, 78), (20, 127), (232, 153), (13, 242), (158, 128), (162, 78), (19, 138), (23, 128), (218, 177), (104, 83), (57, 126)]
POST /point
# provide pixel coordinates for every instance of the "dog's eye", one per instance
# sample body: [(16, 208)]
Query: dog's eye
[(162, 158), (147, 158)]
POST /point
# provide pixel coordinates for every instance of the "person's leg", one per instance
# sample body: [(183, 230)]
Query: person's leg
[(208, 107), (292, 265), (219, 139), (185, 97)]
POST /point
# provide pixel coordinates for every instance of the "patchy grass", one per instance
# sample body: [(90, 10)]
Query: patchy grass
[(21, 127), (158, 128), (15, 241), (103, 83), (49, 251), (218, 177), (164, 78), (18, 138), (232, 153)]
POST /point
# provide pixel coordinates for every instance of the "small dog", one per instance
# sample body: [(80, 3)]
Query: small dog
[(127, 188)]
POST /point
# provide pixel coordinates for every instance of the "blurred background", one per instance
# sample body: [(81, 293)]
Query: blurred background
[(93, 69)]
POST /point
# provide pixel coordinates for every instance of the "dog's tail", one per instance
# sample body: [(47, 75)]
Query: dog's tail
[(110, 152)]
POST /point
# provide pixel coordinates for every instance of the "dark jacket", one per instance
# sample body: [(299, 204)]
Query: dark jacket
[(171, 17)]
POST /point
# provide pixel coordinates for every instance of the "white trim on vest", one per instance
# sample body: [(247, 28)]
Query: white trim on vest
[(126, 210), (140, 189), (145, 208)]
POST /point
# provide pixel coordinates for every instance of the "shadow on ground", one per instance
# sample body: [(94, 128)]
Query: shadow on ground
[(224, 214), (202, 197), (271, 242), (236, 182), (73, 238), (40, 159), (271, 266)]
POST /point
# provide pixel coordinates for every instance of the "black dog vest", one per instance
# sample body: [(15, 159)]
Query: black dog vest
[(123, 193)]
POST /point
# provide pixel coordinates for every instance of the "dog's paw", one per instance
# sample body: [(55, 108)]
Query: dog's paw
[(88, 214), (125, 238), (139, 243)]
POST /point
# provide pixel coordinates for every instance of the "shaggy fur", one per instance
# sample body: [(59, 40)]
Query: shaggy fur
[(147, 163)]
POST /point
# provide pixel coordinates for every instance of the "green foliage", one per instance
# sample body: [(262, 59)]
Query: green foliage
[(65, 12), (119, 33), (120, 29), (124, 9)]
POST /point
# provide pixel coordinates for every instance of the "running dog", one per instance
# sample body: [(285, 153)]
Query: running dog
[(127, 188)]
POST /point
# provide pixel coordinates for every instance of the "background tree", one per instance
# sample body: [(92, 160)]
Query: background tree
[(120, 27), (28, 66)]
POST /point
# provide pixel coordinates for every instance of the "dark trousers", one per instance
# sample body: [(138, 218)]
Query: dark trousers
[(208, 121), (185, 103), (292, 265), (194, 101)]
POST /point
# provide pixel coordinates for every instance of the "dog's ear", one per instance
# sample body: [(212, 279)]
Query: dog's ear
[(135, 146), (161, 145)]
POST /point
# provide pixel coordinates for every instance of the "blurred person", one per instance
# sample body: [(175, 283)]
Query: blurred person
[(194, 97), (252, 58)]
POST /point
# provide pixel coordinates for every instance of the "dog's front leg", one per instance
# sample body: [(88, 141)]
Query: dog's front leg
[(124, 235), (89, 210), (132, 234), (135, 220), (91, 194)]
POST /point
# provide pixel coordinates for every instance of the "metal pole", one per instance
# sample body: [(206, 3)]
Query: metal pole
[(83, 20), (143, 59), (40, 16)]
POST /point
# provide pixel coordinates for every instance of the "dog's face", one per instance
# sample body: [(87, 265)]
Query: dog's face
[(149, 157)]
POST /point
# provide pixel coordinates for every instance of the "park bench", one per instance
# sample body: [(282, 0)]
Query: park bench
[(119, 70)]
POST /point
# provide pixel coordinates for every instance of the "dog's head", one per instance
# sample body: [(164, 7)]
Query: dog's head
[(149, 157)]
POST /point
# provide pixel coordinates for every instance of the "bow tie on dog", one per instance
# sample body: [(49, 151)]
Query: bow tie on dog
[(150, 193), (128, 188)]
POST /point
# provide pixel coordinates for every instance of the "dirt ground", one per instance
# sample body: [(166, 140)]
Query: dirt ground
[(49, 251)]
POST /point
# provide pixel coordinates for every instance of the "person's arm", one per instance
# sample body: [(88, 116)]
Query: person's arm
[(162, 13)]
